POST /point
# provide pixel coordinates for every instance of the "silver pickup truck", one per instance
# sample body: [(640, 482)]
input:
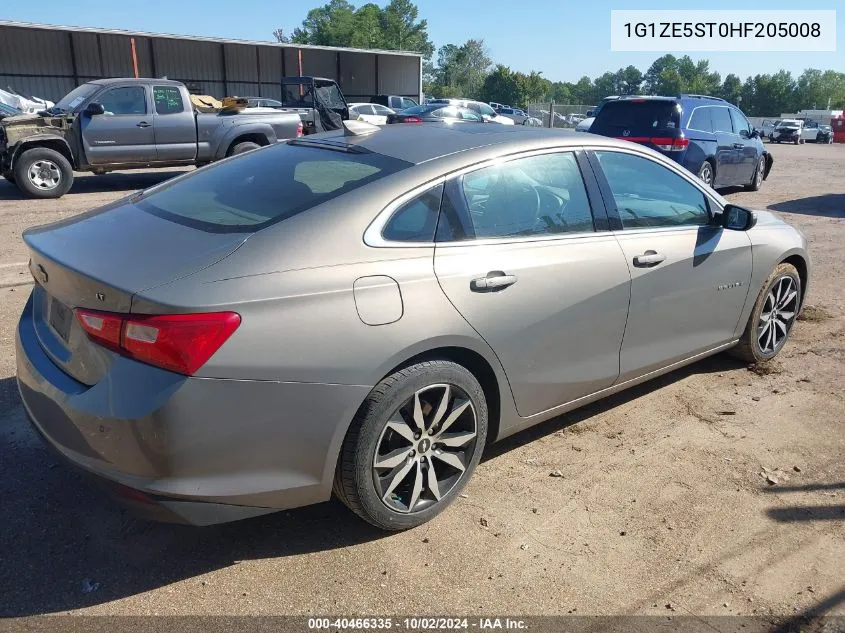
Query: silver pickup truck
[(111, 124)]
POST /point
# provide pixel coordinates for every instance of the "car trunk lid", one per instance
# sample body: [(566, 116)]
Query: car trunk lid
[(99, 261)]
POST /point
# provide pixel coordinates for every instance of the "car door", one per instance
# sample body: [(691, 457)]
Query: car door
[(727, 146), (124, 133), (689, 277), (174, 125), (519, 255), (749, 152)]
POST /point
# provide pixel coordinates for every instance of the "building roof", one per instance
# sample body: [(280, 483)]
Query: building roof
[(86, 29)]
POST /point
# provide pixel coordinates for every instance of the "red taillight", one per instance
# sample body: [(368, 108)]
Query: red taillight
[(101, 327), (412, 119), (178, 342), (666, 143), (299, 129)]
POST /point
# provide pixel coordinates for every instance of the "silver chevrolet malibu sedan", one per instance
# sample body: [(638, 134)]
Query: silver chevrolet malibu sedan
[(362, 312)]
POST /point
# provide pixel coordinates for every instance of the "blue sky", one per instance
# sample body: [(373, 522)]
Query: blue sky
[(563, 39)]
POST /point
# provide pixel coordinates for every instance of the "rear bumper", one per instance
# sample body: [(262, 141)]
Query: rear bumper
[(185, 449)]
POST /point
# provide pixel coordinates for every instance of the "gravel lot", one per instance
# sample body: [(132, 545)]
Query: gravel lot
[(663, 508)]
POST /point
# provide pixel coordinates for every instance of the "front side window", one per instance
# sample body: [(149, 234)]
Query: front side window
[(647, 194), (469, 115), (168, 100), (408, 103), (740, 123), (537, 195), (416, 220), (128, 100)]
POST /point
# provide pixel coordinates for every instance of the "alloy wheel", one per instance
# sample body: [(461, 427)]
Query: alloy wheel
[(425, 448), (778, 314), (706, 174), (44, 174)]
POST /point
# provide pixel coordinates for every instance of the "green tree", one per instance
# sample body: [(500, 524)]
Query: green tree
[(461, 70), (367, 31), (731, 89), (401, 29), (629, 80), (657, 74), (502, 85), (330, 25)]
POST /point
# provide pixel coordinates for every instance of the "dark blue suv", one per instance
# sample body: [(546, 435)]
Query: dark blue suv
[(707, 135)]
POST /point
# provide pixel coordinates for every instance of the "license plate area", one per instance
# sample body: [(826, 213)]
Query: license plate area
[(60, 319)]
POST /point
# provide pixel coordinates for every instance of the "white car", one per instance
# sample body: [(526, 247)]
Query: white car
[(480, 108), (370, 112), (520, 117), (584, 125)]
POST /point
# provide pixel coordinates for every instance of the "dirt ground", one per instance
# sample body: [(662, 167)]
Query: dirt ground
[(663, 507)]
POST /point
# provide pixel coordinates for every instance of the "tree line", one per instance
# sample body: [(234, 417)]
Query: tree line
[(467, 70)]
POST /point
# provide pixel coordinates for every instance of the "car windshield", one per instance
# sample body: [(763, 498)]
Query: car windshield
[(636, 117), (788, 123), (74, 98), (263, 187)]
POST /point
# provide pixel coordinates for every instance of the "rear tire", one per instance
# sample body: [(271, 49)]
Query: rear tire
[(396, 476), (774, 312), (240, 148), (42, 172), (707, 173)]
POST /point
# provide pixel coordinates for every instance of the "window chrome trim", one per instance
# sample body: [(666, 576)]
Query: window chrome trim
[(373, 234)]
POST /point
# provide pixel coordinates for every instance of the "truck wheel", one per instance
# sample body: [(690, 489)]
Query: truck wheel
[(41, 172), (240, 148)]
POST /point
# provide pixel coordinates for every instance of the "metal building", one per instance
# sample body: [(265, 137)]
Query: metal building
[(48, 61)]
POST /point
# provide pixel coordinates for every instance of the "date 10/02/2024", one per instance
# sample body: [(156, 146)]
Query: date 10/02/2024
[(417, 623)]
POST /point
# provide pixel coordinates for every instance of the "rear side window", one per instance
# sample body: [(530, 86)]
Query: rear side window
[(740, 123), (637, 117), (168, 100), (264, 186), (721, 118), (538, 195), (416, 220), (700, 120)]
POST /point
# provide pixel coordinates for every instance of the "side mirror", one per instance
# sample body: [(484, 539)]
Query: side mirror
[(755, 133), (737, 218), (94, 108)]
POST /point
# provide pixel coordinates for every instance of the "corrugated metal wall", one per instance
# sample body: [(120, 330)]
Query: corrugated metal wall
[(48, 63)]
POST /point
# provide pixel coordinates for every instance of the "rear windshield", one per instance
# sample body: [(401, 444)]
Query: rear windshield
[(638, 118), (262, 187)]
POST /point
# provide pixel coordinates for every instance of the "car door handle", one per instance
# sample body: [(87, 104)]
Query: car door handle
[(649, 258), (143, 124), (494, 280), (739, 146)]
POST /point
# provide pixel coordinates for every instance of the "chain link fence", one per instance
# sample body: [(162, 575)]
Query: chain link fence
[(565, 116)]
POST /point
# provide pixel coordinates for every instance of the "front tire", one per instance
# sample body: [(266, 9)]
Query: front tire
[(41, 172), (757, 178), (413, 445), (773, 316)]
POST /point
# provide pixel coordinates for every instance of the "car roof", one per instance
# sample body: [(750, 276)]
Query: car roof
[(142, 80), (422, 143)]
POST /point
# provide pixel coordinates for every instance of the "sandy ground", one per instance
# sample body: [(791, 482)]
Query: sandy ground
[(663, 508)]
